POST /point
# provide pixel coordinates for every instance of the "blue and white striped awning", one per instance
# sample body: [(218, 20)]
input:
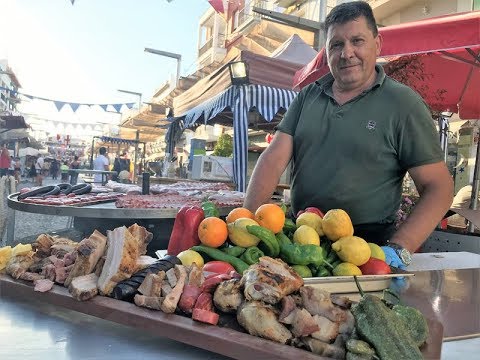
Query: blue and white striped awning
[(240, 100)]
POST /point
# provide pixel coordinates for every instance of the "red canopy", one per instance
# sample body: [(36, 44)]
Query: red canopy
[(452, 63)]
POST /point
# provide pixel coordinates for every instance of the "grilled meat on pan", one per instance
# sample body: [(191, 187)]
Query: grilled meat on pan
[(228, 296)]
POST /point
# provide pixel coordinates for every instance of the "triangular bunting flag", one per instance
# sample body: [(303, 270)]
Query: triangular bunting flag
[(74, 106), (117, 107), (59, 105), (104, 107), (129, 105)]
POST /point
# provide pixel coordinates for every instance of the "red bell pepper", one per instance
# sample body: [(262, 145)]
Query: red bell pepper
[(185, 229), (312, 210)]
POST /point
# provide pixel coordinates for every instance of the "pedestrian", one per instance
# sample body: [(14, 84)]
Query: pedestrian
[(64, 171), (101, 163), (54, 167), (39, 170), (17, 169), (352, 136), (75, 164), (4, 161)]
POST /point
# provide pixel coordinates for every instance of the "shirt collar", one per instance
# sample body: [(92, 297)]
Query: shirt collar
[(326, 81)]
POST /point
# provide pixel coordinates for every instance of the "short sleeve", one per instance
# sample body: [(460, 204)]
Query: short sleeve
[(418, 140), (290, 120)]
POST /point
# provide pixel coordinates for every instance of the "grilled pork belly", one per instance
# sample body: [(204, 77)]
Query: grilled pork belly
[(89, 251), (270, 280), (62, 246), (84, 287), (142, 236), (42, 245), (259, 319), (120, 262)]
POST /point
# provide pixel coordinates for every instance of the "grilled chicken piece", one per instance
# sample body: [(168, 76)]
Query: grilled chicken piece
[(120, 262), (303, 324), (43, 285), (19, 264), (142, 236), (170, 302), (327, 330), (270, 280), (84, 287), (228, 296), (342, 301), (89, 251), (260, 320), (348, 325), (318, 302), (321, 348)]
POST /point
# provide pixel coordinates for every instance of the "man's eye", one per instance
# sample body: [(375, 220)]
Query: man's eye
[(357, 41), (336, 45)]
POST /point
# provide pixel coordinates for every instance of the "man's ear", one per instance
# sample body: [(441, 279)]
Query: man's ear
[(378, 42)]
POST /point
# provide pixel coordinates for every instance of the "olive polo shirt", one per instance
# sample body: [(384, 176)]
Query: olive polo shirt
[(354, 156)]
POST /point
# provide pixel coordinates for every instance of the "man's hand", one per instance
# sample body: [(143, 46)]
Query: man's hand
[(392, 258)]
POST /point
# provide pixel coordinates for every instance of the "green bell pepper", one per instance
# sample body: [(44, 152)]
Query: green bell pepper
[(296, 254), (251, 255), (234, 250)]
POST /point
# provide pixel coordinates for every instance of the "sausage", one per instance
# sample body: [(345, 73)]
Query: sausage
[(81, 189), (65, 188), (42, 191)]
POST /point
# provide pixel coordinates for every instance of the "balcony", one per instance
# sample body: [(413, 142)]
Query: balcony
[(205, 47)]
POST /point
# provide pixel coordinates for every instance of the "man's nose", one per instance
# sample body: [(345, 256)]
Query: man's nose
[(347, 51)]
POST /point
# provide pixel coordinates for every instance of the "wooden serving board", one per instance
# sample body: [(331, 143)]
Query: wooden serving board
[(220, 340)]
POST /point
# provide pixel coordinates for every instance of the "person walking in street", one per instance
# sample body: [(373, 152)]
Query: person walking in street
[(39, 169), (101, 163), (4, 161), (353, 135), (75, 164), (54, 167), (64, 171)]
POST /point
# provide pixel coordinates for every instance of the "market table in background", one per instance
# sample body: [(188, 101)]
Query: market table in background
[(104, 173)]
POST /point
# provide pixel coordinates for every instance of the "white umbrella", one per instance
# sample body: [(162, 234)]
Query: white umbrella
[(28, 151)]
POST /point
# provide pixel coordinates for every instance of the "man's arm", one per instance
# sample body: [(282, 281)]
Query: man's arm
[(270, 166), (435, 186)]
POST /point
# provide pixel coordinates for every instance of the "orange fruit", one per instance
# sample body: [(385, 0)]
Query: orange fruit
[(238, 213), (212, 232), (270, 216)]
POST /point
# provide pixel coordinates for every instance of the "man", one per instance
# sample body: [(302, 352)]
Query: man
[(100, 163), (352, 136), (39, 170)]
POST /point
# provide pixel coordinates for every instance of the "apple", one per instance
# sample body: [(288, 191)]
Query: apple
[(375, 267), (312, 210)]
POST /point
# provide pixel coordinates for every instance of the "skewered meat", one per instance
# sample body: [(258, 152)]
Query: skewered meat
[(327, 330), (152, 284), (171, 300), (122, 254), (151, 302), (270, 280), (43, 285), (89, 251), (260, 320), (142, 236), (19, 264), (228, 296), (318, 302), (84, 287)]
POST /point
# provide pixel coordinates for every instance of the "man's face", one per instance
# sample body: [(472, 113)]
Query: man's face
[(351, 52)]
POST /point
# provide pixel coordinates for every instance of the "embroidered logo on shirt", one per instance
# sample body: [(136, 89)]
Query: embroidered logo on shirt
[(371, 125)]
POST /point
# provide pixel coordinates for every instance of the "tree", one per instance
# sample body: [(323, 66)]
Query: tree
[(224, 146)]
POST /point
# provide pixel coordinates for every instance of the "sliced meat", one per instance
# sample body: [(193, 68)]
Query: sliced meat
[(270, 280), (211, 283), (150, 302), (89, 251), (69, 258), (62, 246), (120, 262), (171, 277), (170, 302), (43, 285), (152, 284), (328, 330), (49, 272), (84, 287), (318, 302), (205, 316), (61, 273), (30, 276), (189, 297), (228, 296), (259, 319)]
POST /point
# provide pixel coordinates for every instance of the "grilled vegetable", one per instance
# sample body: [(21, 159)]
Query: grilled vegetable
[(360, 347), (216, 254), (414, 321), (268, 242)]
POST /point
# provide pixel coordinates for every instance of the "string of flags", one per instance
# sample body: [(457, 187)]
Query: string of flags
[(74, 106)]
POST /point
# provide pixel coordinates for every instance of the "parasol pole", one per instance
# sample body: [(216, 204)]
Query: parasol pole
[(475, 186)]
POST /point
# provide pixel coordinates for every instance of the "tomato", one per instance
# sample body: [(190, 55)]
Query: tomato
[(312, 210), (375, 267), (218, 267)]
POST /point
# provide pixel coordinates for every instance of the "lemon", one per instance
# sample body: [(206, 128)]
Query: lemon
[(306, 235), (352, 249), (311, 219), (238, 234), (188, 257), (346, 269), (377, 251), (336, 224)]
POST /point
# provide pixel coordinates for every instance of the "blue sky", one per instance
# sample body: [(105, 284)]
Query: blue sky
[(85, 52)]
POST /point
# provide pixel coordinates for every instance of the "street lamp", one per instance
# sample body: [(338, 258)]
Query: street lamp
[(177, 57), (134, 93)]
